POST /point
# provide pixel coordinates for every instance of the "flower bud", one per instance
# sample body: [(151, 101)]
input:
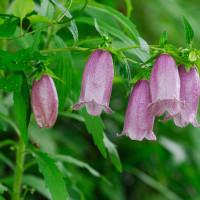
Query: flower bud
[(190, 91), (165, 88), (97, 83), (44, 101), (139, 119)]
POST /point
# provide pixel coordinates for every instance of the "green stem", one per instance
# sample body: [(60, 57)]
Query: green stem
[(19, 170), (138, 46), (65, 49), (89, 40)]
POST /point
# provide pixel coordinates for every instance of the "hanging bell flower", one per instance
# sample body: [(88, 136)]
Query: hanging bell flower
[(165, 88), (44, 102), (97, 83), (139, 119), (190, 92)]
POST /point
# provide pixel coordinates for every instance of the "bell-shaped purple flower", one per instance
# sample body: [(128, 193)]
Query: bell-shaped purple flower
[(44, 102), (97, 83), (165, 88), (190, 92), (139, 119)]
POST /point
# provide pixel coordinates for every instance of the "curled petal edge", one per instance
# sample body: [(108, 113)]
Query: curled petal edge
[(179, 121), (93, 108), (149, 136), (171, 106)]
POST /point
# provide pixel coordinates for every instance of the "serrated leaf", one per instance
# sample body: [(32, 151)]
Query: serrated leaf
[(189, 33), (8, 27), (73, 28), (21, 8), (63, 71), (112, 151), (34, 19), (95, 127), (163, 39), (12, 83), (52, 175), (22, 109)]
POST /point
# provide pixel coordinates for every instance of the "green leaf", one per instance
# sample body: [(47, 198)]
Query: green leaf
[(71, 160), (189, 33), (154, 184), (37, 183), (100, 30), (95, 127), (46, 10), (8, 27), (73, 28), (22, 109), (7, 161), (5, 59), (3, 123), (3, 189), (21, 8), (138, 53), (1, 21), (24, 58), (52, 176), (125, 70), (163, 39), (34, 19), (63, 71), (112, 151), (12, 83)]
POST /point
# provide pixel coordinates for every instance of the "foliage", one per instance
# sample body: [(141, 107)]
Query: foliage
[(81, 157)]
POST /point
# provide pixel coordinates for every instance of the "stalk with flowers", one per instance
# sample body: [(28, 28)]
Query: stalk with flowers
[(38, 73)]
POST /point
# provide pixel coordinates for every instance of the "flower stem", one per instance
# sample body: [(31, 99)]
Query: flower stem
[(19, 169), (64, 49)]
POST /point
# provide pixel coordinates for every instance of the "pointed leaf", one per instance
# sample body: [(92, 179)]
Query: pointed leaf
[(189, 33), (39, 19), (95, 127), (52, 176), (112, 151), (163, 39), (22, 109), (63, 71)]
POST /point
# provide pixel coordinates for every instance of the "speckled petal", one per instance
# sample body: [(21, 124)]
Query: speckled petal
[(44, 102), (190, 91), (139, 119), (165, 88), (96, 85)]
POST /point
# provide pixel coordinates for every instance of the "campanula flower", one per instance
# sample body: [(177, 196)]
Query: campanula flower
[(44, 102), (165, 88), (190, 91), (139, 119), (97, 81)]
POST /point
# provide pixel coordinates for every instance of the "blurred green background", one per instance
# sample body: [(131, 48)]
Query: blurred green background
[(166, 169)]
